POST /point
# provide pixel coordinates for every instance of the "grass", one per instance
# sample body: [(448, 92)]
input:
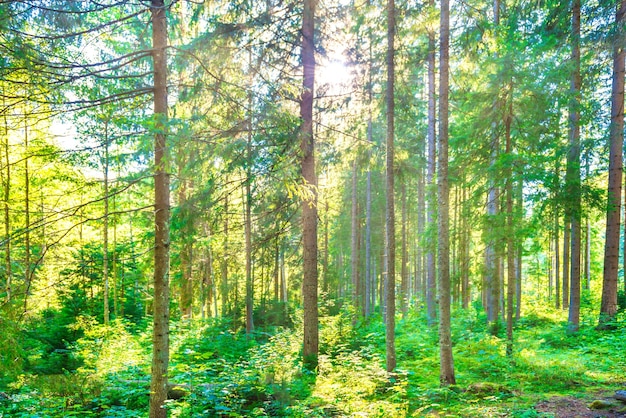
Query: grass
[(225, 373)]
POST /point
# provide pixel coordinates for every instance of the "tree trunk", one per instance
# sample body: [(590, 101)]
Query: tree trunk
[(369, 286), (520, 251), (511, 244), (566, 268), (326, 277), (492, 263), (404, 274), (454, 248), (573, 171), (354, 245), (464, 251), (276, 269), (115, 266), (608, 306), (7, 217), (557, 261), (160, 335), (105, 244), (421, 219), (492, 259), (224, 281), (587, 253), (248, 228), (446, 363), (207, 279), (431, 196), (27, 266), (390, 297), (309, 203)]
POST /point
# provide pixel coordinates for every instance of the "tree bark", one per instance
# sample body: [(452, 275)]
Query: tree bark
[(431, 196), (325, 260), (160, 335), (566, 267), (520, 251), (276, 269), (492, 255), (354, 244), (421, 220), (404, 274), (608, 306), (573, 171), (557, 261), (390, 297), (248, 222), (224, 281), (511, 244), (105, 244), (309, 203), (27, 250), (369, 285), (7, 218), (446, 363), (464, 252)]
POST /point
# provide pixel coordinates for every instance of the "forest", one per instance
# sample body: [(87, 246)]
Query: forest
[(316, 208)]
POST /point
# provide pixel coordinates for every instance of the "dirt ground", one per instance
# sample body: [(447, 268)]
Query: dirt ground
[(570, 407)]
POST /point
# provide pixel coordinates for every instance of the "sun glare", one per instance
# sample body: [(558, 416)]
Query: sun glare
[(333, 74)]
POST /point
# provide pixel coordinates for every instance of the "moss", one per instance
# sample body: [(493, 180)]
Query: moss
[(600, 404)]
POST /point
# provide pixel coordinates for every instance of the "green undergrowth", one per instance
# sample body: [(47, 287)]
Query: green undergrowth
[(220, 371)]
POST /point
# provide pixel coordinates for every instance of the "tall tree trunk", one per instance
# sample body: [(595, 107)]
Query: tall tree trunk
[(248, 224), (608, 306), (368, 240), (224, 281), (187, 233), (207, 278), (431, 196), (557, 261), (115, 265), (354, 245), (454, 248), (587, 253), (7, 217), (276, 269), (105, 244), (370, 286), (160, 334), (284, 296), (492, 259), (520, 251), (573, 171), (464, 250), (446, 363), (27, 250), (390, 297), (404, 274), (421, 219), (186, 245), (492, 262), (325, 260), (511, 244), (309, 203), (566, 268)]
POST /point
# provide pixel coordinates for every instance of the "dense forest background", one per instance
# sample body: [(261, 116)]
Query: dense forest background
[(315, 208)]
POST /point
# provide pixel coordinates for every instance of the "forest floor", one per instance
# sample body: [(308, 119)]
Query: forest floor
[(601, 404), (222, 372)]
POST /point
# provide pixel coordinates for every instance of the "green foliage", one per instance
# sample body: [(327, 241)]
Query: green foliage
[(50, 335), (124, 391), (226, 373)]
